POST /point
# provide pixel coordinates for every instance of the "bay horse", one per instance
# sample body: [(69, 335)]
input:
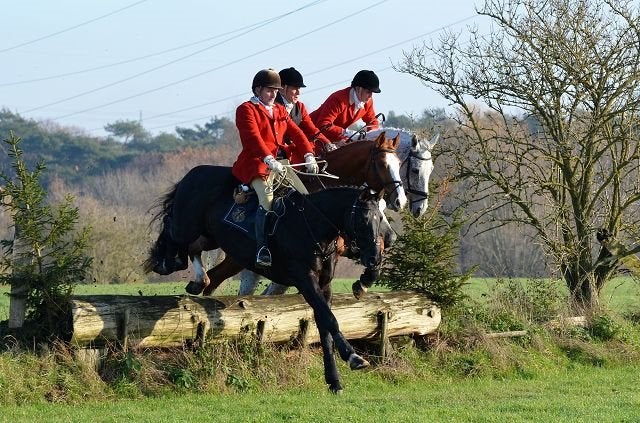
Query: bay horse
[(302, 245)]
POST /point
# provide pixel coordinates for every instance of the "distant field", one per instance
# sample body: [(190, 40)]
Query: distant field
[(621, 294)]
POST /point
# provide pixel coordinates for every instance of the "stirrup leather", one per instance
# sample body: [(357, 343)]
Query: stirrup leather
[(263, 258)]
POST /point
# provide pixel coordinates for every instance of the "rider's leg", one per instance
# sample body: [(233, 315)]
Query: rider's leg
[(265, 198)]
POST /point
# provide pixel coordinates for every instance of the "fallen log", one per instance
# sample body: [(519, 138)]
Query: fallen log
[(167, 321)]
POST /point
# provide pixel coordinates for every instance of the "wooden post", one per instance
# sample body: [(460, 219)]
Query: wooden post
[(301, 339), (123, 329), (383, 324)]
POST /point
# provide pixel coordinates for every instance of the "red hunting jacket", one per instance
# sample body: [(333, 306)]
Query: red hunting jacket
[(301, 117), (339, 114), (261, 135)]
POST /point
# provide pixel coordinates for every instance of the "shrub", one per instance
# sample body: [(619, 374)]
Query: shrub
[(423, 259), (46, 257)]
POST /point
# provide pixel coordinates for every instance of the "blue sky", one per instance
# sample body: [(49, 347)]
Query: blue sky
[(86, 64)]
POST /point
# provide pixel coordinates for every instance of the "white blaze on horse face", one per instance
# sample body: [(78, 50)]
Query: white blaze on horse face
[(420, 168), (394, 169)]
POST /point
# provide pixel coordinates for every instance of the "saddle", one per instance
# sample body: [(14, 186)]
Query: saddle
[(242, 213)]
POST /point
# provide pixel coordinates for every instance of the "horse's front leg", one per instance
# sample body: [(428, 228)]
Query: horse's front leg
[(328, 329), (201, 280)]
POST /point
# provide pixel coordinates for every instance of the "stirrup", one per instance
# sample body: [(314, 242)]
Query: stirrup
[(263, 258)]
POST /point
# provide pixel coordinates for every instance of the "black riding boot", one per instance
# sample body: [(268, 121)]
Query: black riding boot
[(263, 256)]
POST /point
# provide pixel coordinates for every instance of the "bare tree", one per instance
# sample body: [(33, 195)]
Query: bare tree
[(547, 107)]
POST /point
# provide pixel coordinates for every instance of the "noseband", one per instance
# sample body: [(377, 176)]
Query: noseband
[(422, 195), (374, 166)]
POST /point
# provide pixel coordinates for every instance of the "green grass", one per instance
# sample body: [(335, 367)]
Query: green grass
[(621, 294), (580, 395)]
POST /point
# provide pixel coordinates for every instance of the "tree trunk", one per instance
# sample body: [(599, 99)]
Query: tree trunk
[(18, 292), (167, 321)]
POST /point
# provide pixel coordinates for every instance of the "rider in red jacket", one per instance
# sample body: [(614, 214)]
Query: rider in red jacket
[(289, 97), (345, 107), (262, 125)]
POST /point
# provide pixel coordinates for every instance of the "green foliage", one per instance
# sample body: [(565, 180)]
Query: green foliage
[(535, 300), (423, 259), (604, 327), (45, 257)]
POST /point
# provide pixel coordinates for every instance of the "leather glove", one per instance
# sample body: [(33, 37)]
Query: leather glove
[(312, 165), (274, 165), (330, 147)]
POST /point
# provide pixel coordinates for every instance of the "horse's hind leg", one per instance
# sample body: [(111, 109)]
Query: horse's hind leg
[(248, 282), (221, 272)]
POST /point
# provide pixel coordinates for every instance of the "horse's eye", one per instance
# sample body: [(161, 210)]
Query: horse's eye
[(415, 171)]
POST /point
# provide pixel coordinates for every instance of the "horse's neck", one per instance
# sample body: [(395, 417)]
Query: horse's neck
[(350, 160), (333, 204)]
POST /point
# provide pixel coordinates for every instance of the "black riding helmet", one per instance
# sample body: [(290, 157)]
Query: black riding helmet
[(290, 76), (266, 78), (366, 79)]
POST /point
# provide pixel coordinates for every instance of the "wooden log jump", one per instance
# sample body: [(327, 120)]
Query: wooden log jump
[(168, 321)]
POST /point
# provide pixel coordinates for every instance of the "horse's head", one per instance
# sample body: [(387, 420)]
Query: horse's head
[(364, 231), (416, 165), (385, 166), (419, 166)]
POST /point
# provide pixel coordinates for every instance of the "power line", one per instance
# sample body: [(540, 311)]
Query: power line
[(71, 28), (216, 68), (136, 59), (321, 70), (265, 23)]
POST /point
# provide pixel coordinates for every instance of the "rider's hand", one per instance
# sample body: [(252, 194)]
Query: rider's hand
[(330, 147), (312, 165), (273, 164)]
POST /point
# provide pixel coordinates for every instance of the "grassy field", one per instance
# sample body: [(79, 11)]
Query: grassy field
[(538, 380), (578, 395)]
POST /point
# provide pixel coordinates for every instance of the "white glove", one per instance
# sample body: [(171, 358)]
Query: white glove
[(347, 133), (330, 147), (274, 165), (312, 165)]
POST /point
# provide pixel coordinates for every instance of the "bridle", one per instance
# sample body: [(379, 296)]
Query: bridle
[(422, 195), (373, 167), (346, 234)]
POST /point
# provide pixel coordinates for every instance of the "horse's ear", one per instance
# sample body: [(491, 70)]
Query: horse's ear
[(382, 137), (368, 194), (396, 141), (433, 140)]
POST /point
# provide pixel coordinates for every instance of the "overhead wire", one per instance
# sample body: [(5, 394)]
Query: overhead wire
[(251, 29), (319, 71), (137, 59), (26, 43), (217, 67)]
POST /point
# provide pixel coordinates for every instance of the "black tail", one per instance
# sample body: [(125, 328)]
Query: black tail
[(163, 255)]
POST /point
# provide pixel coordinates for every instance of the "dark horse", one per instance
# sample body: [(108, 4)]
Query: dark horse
[(302, 245), (372, 162)]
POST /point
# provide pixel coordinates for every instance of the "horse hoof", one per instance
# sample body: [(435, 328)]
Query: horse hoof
[(356, 362), (336, 388), (160, 269), (194, 288), (358, 290)]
